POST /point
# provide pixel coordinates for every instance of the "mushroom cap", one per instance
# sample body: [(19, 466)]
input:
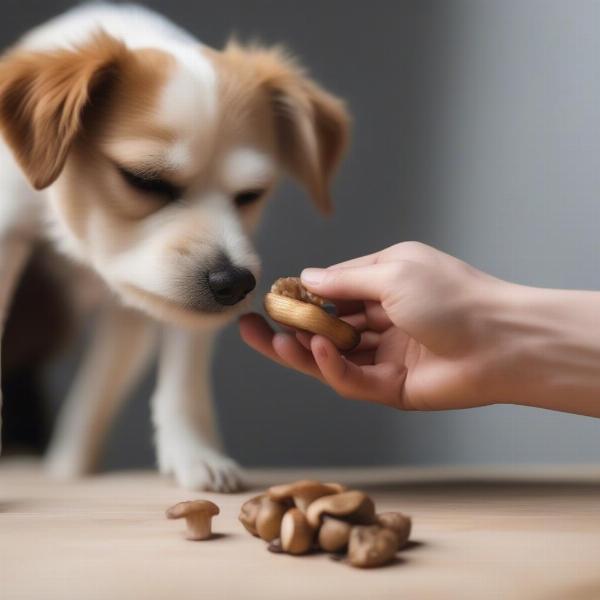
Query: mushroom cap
[(355, 506), (268, 518), (192, 507), (371, 546), (249, 512), (303, 492), (397, 522)]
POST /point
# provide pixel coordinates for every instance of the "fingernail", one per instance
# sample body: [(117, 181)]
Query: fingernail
[(312, 276)]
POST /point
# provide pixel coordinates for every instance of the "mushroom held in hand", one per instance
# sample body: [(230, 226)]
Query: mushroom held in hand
[(198, 515), (371, 546), (289, 303), (296, 534), (353, 506), (303, 492)]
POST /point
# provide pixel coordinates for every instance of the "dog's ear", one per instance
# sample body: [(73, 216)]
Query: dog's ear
[(43, 96), (312, 125)]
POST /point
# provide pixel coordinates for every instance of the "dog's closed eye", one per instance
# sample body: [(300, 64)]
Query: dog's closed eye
[(151, 184), (248, 197)]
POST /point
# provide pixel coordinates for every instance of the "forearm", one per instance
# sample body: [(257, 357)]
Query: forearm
[(550, 349)]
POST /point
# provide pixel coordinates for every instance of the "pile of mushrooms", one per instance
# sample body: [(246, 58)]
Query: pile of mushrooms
[(307, 516)]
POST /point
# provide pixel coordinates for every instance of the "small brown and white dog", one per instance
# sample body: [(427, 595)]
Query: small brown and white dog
[(145, 158)]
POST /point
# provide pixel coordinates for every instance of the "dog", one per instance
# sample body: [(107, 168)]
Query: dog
[(144, 159)]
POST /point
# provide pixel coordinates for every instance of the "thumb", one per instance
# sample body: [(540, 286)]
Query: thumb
[(350, 283)]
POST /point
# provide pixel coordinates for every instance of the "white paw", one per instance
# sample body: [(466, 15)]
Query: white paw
[(64, 465), (210, 472), (197, 466)]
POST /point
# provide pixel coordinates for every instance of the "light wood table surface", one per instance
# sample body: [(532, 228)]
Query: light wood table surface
[(498, 533)]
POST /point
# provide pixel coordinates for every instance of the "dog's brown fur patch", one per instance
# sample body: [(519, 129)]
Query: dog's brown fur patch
[(310, 127), (42, 98)]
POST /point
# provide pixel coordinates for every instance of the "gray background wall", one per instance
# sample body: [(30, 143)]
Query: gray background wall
[(476, 130)]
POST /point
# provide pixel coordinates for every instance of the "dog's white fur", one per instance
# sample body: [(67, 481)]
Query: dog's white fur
[(149, 255)]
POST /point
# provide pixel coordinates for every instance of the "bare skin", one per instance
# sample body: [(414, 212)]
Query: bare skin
[(438, 334)]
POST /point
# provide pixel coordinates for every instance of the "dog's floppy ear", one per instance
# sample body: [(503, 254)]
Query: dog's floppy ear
[(312, 128), (312, 125), (43, 96)]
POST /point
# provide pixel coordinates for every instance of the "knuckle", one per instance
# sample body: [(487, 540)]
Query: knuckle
[(414, 249), (402, 270)]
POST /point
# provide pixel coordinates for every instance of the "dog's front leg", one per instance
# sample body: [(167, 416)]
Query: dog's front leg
[(122, 345), (187, 439), (14, 252)]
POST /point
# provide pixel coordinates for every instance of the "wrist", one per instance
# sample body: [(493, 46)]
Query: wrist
[(546, 348), (508, 333)]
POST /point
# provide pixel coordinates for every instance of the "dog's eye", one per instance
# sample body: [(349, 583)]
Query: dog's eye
[(150, 184), (248, 197)]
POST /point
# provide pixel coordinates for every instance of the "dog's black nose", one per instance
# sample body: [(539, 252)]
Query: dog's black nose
[(229, 284)]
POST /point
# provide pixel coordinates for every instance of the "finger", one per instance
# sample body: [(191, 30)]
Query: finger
[(377, 318), (257, 333), (360, 261), (401, 251), (372, 318), (362, 357), (357, 320), (352, 283), (304, 338), (369, 340), (348, 307), (380, 383), (294, 355)]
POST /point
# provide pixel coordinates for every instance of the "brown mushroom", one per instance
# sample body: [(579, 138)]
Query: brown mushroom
[(354, 506), (334, 534), (268, 518), (275, 546), (249, 512), (400, 524), (198, 515), (371, 546), (303, 492), (296, 533)]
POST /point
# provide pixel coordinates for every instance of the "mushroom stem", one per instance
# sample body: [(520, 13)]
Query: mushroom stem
[(198, 527)]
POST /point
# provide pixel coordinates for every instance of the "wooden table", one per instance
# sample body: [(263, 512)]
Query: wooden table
[(478, 534)]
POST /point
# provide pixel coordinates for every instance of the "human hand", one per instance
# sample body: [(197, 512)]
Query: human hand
[(426, 321)]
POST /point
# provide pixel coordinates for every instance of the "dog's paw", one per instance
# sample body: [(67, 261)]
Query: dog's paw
[(197, 466), (64, 465), (209, 471)]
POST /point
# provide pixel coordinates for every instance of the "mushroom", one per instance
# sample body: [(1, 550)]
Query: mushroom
[(354, 506), (268, 518), (198, 515), (248, 514), (398, 523), (334, 534), (303, 492), (275, 546), (371, 546), (296, 533)]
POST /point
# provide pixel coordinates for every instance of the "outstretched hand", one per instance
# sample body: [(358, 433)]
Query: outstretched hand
[(419, 312)]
